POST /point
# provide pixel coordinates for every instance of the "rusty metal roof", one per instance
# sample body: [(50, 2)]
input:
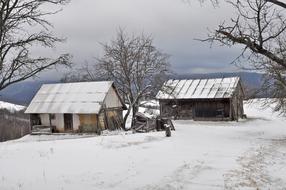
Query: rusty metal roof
[(199, 88), (81, 97)]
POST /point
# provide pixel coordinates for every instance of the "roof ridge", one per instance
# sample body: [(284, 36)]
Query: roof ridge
[(83, 82)]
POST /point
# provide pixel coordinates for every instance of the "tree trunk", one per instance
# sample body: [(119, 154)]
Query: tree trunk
[(125, 118), (134, 111)]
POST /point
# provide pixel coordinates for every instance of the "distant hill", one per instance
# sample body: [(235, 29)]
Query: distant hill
[(23, 92)]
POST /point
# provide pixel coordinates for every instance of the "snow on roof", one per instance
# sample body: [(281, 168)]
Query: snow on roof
[(81, 97), (198, 88)]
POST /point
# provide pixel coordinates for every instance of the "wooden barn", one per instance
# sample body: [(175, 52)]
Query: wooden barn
[(77, 107), (202, 99)]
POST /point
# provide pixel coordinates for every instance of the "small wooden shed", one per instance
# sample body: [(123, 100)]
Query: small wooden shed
[(202, 99), (77, 107)]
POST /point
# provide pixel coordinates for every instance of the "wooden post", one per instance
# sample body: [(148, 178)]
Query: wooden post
[(31, 122), (237, 104), (161, 109), (194, 110), (97, 123), (106, 118), (230, 109), (50, 119)]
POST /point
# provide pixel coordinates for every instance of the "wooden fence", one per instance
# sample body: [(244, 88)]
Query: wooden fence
[(13, 125)]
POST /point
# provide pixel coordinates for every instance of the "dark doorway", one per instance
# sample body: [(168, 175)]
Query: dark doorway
[(35, 119), (68, 122)]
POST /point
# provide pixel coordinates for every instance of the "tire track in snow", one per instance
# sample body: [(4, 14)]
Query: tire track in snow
[(180, 179), (253, 169)]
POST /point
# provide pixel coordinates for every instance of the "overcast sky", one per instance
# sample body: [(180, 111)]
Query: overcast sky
[(174, 24)]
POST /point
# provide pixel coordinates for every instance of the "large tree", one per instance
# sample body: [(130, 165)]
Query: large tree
[(22, 27), (260, 29), (136, 66)]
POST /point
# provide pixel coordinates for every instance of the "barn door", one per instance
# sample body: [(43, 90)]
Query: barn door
[(68, 121)]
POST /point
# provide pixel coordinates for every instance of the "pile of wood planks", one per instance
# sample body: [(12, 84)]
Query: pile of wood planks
[(144, 124)]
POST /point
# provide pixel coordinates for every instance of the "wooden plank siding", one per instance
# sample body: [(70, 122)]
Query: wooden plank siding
[(196, 109), (236, 106), (110, 119), (114, 118), (215, 110), (88, 122)]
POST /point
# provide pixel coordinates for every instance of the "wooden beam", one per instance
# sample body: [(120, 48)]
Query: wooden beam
[(50, 119), (230, 109)]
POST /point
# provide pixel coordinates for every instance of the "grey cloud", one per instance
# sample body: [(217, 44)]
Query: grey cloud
[(173, 24)]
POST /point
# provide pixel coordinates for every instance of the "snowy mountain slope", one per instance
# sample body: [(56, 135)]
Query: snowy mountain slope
[(11, 107), (250, 154)]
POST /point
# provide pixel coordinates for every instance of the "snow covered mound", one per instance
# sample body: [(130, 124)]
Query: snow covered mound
[(151, 103), (11, 107)]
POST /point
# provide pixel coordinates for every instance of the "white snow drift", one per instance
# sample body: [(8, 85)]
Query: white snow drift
[(11, 107), (249, 154)]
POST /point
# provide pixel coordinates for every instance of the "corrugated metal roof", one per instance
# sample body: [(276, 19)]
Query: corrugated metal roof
[(82, 97), (198, 88)]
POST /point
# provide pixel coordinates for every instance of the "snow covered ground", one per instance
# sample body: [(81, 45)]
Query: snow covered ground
[(250, 154), (11, 107)]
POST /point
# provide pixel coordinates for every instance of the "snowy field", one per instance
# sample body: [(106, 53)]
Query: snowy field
[(250, 154)]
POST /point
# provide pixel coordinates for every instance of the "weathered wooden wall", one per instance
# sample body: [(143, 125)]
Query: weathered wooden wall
[(13, 125), (211, 110), (195, 109), (177, 109), (88, 122), (236, 105), (111, 118)]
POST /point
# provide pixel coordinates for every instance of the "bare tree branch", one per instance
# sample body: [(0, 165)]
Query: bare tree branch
[(279, 3), (260, 27), (17, 19)]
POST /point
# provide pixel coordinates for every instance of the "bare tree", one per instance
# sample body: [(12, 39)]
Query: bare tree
[(260, 27), (136, 66), (19, 19)]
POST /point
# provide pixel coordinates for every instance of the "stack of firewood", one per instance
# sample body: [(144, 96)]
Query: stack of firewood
[(144, 124)]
